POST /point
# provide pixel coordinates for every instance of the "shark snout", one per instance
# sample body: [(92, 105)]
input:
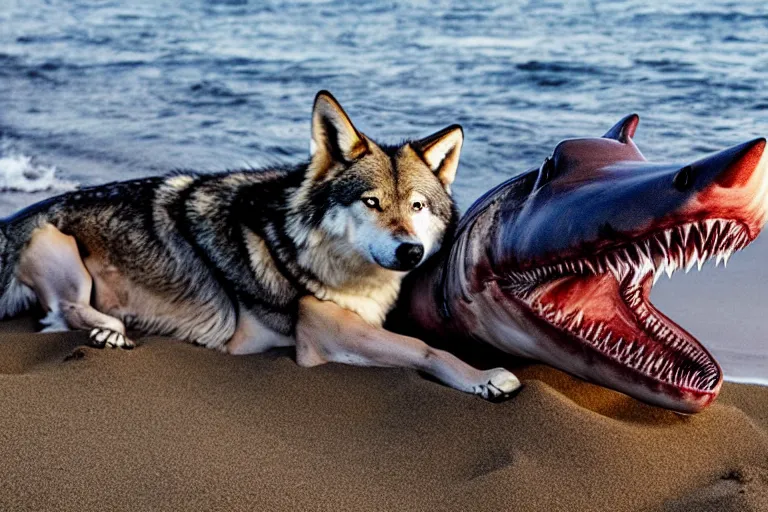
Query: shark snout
[(733, 184), (734, 167), (741, 163)]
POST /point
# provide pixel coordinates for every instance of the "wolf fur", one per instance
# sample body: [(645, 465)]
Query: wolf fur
[(222, 260)]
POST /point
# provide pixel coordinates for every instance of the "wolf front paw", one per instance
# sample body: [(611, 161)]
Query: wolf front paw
[(499, 386), (107, 337)]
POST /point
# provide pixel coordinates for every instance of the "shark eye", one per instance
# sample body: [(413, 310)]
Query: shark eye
[(371, 202), (417, 206), (683, 180)]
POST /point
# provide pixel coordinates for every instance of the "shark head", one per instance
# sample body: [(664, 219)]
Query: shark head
[(558, 264)]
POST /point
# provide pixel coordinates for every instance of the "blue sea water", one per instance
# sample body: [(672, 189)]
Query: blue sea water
[(92, 91)]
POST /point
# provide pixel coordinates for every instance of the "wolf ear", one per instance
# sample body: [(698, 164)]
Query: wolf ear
[(441, 152), (624, 130), (334, 138)]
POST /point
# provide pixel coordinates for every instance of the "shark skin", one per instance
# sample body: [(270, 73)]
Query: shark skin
[(557, 264)]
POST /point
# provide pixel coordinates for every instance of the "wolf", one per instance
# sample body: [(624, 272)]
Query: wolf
[(311, 255)]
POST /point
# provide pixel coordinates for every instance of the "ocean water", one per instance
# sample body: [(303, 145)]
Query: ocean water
[(93, 91)]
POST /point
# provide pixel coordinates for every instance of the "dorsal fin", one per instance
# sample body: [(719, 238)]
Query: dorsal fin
[(624, 130)]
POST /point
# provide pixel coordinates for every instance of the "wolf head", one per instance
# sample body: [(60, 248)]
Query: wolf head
[(390, 205)]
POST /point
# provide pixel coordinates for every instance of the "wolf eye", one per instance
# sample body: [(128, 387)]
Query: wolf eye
[(418, 206), (371, 202)]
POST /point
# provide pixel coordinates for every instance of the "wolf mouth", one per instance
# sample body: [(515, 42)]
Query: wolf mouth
[(603, 300)]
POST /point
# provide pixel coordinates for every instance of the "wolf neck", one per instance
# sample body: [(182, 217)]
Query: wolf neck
[(337, 272)]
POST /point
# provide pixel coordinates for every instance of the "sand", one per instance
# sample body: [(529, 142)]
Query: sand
[(170, 426)]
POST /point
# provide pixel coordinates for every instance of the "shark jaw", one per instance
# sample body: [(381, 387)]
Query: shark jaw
[(556, 265), (602, 302)]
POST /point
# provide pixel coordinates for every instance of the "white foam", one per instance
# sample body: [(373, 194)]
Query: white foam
[(21, 173)]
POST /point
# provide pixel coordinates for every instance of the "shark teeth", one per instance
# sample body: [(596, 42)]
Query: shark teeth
[(660, 350), (663, 252), (668, 357)]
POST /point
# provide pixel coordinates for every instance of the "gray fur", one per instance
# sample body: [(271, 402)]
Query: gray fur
[(205, 249)]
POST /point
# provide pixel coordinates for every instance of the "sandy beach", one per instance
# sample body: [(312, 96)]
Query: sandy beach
[(95, 92), (171, 426)]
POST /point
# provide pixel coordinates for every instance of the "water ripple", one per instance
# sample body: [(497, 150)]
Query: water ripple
[(152, 85)]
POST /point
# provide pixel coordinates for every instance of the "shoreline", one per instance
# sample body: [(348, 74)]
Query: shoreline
[(746, 380)]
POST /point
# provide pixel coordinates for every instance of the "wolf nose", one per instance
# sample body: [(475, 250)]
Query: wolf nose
[(409, 255)]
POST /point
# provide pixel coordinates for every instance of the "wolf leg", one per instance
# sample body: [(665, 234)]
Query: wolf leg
[(52, 267), (328, 333), (253, 337)]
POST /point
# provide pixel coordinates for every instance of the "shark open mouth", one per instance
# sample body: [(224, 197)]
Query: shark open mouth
[(603, 300)]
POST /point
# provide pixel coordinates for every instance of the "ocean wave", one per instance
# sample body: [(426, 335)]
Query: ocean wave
[(22, 173)]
